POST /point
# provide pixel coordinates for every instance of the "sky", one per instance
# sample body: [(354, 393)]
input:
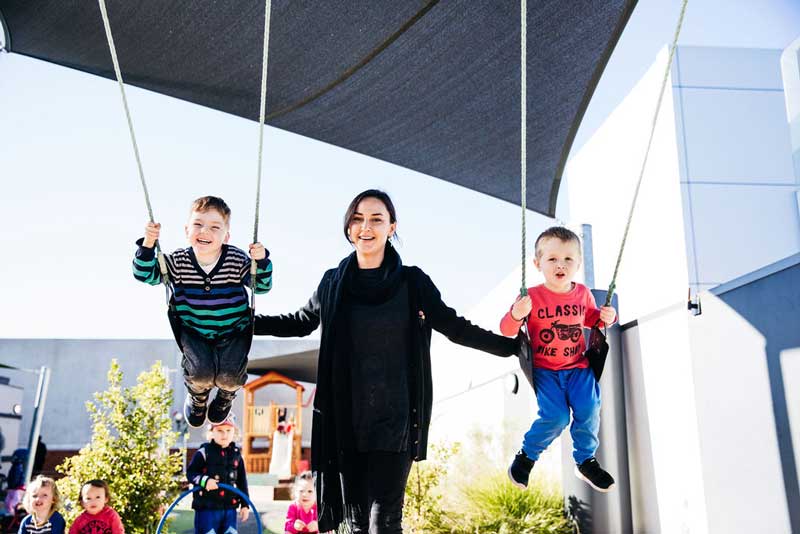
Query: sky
[(74, 205)]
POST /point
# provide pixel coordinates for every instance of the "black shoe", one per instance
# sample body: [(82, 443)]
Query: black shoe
[(194, 409), (520, 470), (594, 475), (220, 407)]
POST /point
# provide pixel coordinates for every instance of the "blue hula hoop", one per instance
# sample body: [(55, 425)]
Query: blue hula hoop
[(226, 487)]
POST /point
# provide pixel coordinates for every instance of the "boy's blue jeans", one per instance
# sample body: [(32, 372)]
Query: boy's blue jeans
[(556, 393), (215, 521)]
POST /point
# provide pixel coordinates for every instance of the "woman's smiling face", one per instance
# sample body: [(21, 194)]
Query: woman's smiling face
[(370, 227)]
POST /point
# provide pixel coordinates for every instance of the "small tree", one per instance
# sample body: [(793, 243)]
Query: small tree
[(131, 439)]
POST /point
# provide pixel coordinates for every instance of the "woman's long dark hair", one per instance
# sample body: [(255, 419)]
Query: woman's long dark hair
[(369, 193)]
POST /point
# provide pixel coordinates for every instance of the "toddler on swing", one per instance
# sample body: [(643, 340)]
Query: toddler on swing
[(556, 313)]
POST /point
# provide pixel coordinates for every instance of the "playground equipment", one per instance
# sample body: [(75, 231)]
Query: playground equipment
[(281, 424)]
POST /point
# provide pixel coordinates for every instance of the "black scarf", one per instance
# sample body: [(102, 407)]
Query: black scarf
[(390, 278)]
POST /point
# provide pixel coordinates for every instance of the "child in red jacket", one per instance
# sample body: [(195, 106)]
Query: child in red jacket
[(97, 516)]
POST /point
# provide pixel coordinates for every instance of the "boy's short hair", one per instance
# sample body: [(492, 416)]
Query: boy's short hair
[(203, 204), (556, 232), (35, 485), (96, 483)]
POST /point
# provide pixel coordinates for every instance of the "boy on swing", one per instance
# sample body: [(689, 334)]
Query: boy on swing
[(556, 313), (210, 313)]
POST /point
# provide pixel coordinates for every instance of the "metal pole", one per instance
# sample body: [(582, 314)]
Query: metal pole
[(588, 256), (597, 512), (38, 415)]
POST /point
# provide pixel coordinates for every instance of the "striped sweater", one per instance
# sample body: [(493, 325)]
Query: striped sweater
[(212, 304)]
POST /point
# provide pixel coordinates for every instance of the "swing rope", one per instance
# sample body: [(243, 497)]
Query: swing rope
[(161, 262), (667, 70), (523, 174), (261, 115)]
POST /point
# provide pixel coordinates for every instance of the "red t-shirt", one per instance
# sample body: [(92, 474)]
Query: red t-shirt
[(556, 326), (106, 521)]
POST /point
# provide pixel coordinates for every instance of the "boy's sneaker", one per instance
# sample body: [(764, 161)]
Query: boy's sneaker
[(194, 410), (220, 407), (594, 475), (520, 470)]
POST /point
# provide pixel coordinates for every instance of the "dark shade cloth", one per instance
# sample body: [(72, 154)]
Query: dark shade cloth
[(432, 86)]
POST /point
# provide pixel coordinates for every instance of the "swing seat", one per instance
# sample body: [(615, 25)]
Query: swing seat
[(597, 352), (525, 355)]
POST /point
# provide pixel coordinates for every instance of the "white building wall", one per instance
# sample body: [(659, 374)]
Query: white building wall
[(790, 69), (668, 486), (737, 177), (719, 199)]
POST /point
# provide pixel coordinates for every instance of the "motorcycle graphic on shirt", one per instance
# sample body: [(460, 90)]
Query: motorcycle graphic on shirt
[(565, 332)]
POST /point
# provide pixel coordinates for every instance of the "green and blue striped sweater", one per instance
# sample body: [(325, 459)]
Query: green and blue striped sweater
[(212, 304)]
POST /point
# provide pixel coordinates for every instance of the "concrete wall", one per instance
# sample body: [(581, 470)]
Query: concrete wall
[(737, 178), (708, 397), (790, 70)]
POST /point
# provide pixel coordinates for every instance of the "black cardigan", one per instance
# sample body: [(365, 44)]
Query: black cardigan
[(329, 456)]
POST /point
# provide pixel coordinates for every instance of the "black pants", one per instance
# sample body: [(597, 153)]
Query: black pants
[(214, 362), (374, 493)]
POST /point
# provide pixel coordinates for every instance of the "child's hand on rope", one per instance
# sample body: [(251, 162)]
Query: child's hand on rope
[(521, 308), (257, 251), (244, 513), (151, 233), (607, 315)]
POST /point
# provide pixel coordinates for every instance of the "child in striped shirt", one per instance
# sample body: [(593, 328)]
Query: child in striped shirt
[(41, 501), (209, 307)]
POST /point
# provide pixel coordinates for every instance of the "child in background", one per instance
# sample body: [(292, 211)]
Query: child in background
[(209, 303), (42, 501), (302, 513), (97, 516), (218, 461), (556, 313)]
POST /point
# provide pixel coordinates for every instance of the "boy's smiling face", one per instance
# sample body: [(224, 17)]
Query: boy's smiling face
[(206, 232), (559, 262)]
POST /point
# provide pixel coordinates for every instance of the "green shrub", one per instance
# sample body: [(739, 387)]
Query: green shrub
[(494, 505), (465, 490), (131, 438)]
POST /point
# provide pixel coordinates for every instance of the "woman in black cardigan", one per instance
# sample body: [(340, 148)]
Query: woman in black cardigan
[(374, 394)]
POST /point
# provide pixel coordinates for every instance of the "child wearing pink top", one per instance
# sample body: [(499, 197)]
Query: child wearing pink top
[(556, 313), (302, 513)]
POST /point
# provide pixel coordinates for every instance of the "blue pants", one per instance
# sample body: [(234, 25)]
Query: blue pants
[(215, 521), (556, 393)]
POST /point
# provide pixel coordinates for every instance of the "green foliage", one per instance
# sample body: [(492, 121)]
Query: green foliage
[(423, 501), (494, 505), (131, 439), (460, 490)]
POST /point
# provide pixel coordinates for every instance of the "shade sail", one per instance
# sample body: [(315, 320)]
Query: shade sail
[(432, 86)]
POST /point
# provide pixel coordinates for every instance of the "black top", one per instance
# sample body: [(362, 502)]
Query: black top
[(379, 367)]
